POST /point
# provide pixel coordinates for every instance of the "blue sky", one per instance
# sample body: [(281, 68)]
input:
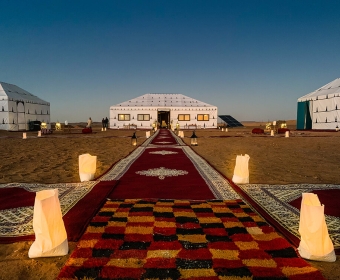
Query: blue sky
[(252, 59)]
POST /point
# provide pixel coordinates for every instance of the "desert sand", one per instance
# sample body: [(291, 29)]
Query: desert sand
[(304, 157)]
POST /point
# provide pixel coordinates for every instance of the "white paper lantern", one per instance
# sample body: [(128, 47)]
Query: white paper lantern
[(272, 133), (241, 171), (87, 167), (48, 226), (287, 134), (24, 135), (147, 134), (315, 242)]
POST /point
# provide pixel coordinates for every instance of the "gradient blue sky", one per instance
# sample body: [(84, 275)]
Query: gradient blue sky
[(252, 59)]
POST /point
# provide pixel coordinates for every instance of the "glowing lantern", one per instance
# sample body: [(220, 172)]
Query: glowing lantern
[(147, 134), (272, 133), (24, 136), (57, 126), (134, 139), (39, 133), (287, 134), (87, 167), (194, 139), (43, 125), (315, 242), (48, 226), (241, 171)]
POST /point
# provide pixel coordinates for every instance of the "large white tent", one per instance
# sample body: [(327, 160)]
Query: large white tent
[(164, 109), (18, 108), (320, 109)]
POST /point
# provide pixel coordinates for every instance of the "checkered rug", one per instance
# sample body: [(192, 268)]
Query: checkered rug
[(182, 239)]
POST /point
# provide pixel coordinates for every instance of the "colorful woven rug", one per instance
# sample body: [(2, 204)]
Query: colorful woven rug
[(181, 239), (79, 203), (280, 206)]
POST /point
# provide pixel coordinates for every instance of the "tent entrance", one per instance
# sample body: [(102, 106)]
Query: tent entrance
[(304, 120), (163, 118)]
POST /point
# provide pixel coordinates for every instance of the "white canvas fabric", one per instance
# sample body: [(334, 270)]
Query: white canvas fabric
[(48, 225), (87, 167), (241, 171), (315, 242)]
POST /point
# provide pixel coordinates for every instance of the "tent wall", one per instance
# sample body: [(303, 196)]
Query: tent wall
[(115, 123), (16, 115), (304, 120), (326, 113)]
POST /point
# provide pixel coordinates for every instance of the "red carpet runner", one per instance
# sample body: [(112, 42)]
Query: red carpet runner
[(154, 175), (166, 169)]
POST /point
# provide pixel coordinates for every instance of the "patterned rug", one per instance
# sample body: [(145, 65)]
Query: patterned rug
[(280, 206), (79, 203), (181, 239)]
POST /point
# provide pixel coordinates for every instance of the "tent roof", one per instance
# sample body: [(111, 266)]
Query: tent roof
[(163, 100), (330, 90), (16, 93)]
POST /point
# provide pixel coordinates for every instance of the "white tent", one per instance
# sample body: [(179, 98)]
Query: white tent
[(320, 109), (169, 110), (18, 108)]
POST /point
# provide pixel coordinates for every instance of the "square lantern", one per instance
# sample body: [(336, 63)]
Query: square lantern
[(134, 139), (193, 139)]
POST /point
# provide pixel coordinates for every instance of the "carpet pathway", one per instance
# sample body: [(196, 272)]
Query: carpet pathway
[(173, 216)]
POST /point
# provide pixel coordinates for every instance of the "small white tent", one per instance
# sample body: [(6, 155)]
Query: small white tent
[(320, 109), (164, 109), (18, 108)]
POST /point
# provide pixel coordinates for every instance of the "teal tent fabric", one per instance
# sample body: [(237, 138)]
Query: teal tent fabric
[(304, 120)]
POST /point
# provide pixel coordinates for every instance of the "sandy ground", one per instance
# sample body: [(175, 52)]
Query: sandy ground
[(304, 157)]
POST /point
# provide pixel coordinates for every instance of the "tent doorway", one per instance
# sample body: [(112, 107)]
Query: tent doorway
[(163, 118), (304, 120)]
